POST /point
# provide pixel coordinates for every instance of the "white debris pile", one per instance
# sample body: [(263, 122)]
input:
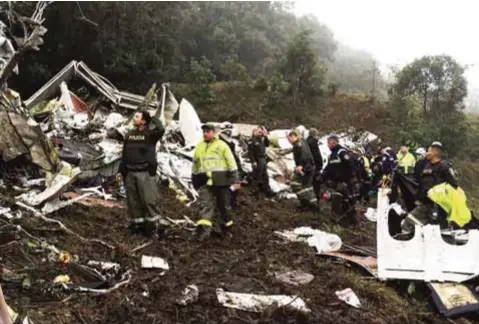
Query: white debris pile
[(322, 241)]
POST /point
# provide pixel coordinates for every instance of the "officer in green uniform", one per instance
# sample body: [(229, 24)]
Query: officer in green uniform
[(138, 168), (214, 174)]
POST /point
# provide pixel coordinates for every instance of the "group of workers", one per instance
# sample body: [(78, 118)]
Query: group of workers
[(217, 173)]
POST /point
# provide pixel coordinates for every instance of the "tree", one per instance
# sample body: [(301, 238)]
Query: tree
[(438, 82), (231, 70), (302, 68), (428, 100)]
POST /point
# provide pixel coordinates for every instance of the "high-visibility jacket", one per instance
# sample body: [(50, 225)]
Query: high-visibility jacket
[(452, 201), (367, 166), (406, 161), (214, 164)]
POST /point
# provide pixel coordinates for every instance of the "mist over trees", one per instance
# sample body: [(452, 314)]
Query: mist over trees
[(137, 43)]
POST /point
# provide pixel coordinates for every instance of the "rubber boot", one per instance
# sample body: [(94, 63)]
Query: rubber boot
[(203, 233)]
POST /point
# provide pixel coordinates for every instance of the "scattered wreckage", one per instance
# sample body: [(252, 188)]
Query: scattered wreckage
[(76, 143)]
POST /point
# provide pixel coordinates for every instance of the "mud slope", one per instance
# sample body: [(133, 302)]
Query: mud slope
[(243, 262)]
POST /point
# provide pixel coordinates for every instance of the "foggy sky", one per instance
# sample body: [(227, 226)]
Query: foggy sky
[(398, 31)]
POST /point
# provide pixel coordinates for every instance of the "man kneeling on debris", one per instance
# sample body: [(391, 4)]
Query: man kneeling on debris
[(305, 170), (438, 188), (138, 168), (214, 172)]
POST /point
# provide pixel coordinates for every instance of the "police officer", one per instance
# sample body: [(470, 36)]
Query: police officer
[(138, 168), (436, 171), (304, 170), (214, 172), (421, 162), (388, 161), (257, 153), (313, 143), (340, 167)]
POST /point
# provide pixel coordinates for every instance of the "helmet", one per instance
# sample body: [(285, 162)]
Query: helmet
[(421, 151)]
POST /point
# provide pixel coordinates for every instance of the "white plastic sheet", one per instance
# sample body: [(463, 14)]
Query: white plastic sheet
[(322, 241)]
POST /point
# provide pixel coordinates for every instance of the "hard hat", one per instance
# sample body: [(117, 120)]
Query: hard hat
[(421, 151)]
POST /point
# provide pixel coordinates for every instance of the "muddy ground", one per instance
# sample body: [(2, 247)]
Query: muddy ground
[(241, 262)]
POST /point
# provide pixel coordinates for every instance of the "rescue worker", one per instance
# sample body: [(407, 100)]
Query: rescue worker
[(257, 153), (340, 167), (405, 161), (138, 168), (341, 175), (313, 143), (420, 163), (366, 174), (388, 161), (304, 169), (214, 172), (436, 171), (226, 135)]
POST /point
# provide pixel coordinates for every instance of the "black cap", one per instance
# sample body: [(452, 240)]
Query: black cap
[(208, 126), (333, 137)]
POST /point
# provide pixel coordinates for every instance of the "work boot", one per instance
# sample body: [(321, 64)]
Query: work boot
[(150, 229), (203, 233), (135, 228)]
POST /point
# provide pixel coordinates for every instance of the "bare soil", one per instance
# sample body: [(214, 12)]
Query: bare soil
[(241, 262)]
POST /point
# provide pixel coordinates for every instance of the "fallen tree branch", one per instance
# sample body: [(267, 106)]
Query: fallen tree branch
[(126, 279), (36, 213)]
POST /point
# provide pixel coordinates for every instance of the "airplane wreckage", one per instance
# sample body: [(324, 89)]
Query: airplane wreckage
[(59, 149)]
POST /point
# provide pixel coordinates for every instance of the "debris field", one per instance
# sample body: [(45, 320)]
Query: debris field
[(245, 261)]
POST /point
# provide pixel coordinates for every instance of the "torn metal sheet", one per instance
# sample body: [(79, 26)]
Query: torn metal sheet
[(81, 70), (368, 263), (259, 303), (59, 182), (426, 256), (93, 201), (150, 262), (349, 297), (453, 299), (57, 204), (21, 136), (190, 123)]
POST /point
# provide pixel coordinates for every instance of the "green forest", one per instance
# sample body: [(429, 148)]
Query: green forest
[(253, 62)]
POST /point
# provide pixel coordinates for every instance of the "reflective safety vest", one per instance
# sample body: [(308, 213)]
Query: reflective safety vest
[(367, 166), (406, 162), (216, 162), (452, 201)]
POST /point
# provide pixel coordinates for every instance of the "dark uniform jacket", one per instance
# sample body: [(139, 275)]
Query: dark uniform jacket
[(139, 149), (388, 162), (232, 147), (340, 167), (434, 174), (313, 144), (303, 157), (257, 148)]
